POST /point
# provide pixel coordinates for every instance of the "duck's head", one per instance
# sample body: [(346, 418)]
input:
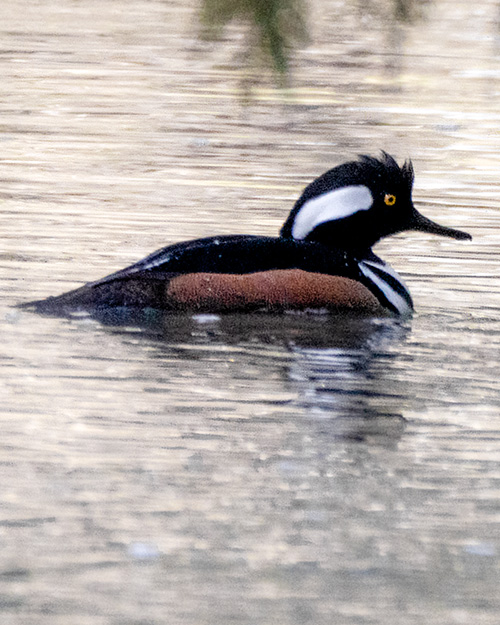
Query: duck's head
[(354, 205)]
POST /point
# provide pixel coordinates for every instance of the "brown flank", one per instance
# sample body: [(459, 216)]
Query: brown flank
[(279, 289)]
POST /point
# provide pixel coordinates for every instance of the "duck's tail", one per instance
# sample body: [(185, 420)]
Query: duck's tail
[(136, 292)]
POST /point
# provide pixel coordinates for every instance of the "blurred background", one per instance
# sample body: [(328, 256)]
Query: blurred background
[(246, 469)]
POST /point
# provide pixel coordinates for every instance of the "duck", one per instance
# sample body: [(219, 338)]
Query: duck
[(322, 258)]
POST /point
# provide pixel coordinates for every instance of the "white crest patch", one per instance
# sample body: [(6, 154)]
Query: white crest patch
[(331, 206)]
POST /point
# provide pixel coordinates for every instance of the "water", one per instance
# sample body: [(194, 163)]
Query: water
[(245, 469)]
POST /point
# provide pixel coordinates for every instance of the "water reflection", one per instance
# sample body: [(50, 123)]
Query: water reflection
[(275, 28), (338, 369), (302, 330), (350, 388)]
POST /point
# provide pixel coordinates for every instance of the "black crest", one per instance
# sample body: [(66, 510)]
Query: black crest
[(387, 167)]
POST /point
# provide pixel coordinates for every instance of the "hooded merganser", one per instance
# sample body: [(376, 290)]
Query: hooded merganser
[(322, 259)]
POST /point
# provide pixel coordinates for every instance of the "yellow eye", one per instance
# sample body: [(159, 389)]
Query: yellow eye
[(390, 199)]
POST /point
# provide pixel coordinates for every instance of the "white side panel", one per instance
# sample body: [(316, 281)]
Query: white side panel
[(330, 206), (395, 298)]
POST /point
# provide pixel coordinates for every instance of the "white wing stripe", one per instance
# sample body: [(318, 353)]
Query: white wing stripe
[(330, 206)]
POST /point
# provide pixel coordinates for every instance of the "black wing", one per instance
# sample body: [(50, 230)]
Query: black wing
[(143, 283), (238, 254)]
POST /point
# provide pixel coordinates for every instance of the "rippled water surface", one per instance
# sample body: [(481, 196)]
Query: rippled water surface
[(245, 469)]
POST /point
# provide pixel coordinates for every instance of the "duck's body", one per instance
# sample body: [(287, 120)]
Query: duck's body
[(240, 273), (321, 260)]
